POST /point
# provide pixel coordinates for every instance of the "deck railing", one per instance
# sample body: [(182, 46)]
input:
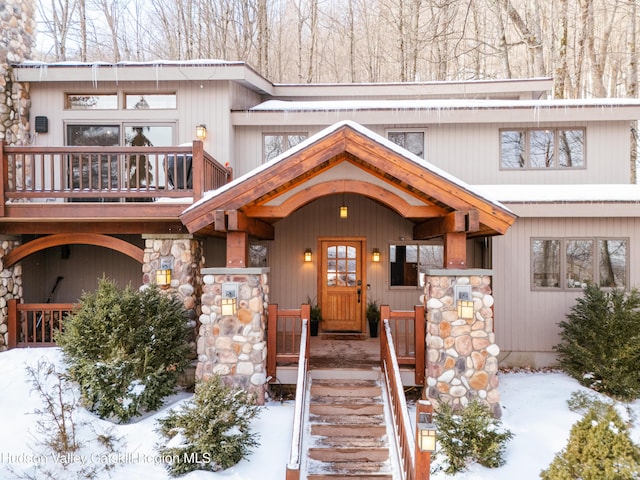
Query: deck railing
[(71, 173), (284, 332), (409, 337), (35, 324)]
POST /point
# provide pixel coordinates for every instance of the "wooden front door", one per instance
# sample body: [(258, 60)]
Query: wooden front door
[(342, 296)]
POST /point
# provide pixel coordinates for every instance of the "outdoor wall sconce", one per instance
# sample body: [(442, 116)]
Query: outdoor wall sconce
[(427, 433), (163, 277), (464, 302), (375, 255), (344, 211), (201, 132), (229, 302), (307, 255)]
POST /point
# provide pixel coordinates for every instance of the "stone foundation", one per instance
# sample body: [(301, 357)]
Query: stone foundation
[(462, 356), (10, 288), (234, 346)]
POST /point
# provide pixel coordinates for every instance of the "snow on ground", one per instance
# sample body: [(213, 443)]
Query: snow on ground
[(534, 405)]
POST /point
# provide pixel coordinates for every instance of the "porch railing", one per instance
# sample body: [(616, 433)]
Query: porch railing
[(284, 332), (295, 457), (65, 173), (35, 324), (395, 392), (409, 338)]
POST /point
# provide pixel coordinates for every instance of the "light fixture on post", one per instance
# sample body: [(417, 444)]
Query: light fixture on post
[(375, 255), (201, 132), (307, 255), (229, 302), (427, 433), (464, 302), (163, 277)]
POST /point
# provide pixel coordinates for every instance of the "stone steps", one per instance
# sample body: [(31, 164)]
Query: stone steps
[(347, 429)]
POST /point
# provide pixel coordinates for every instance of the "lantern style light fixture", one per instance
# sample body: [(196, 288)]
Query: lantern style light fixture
[(344, 211), (163, 277), (375, 255), (464, 302), (229, 302), (465, 309), (307, 255), (201, 132), (427, 433)]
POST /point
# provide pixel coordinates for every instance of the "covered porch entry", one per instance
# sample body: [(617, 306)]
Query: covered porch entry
[(291, 205)]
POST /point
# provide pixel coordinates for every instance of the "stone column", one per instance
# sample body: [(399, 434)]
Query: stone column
[(184, 256), (18, 31), (10, 287), (462, 356), (233, 345)]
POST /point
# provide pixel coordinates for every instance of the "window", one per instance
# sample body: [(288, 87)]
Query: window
[(276, 143), (408, 264), (542, 148), (105, 101), (150, 101), (412, 140), (573, 263)]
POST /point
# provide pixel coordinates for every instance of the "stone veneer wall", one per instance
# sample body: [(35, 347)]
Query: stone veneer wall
[(10, 287), (18, 26), (186, 258), (462, 356), (234, 346)]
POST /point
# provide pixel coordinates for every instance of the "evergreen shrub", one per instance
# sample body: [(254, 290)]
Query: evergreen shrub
[(599, 448), (471, 435), (125, 348), (600, 344), (210, 432)]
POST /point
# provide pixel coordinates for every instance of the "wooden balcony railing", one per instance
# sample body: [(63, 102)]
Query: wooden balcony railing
[(35, 324), (61, 173)]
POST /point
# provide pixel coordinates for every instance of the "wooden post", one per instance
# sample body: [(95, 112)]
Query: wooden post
[(384, 315), (420, 344), (305, 313), (197, 169), (423, 459), (237, 249), (455, 250), (272, 332), (12, 314)]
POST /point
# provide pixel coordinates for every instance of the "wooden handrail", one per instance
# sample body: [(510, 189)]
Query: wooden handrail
[(287, 349), (295, 456), (393, 383), (416, 320)]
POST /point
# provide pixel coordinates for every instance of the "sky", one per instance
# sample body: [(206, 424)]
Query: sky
[(534, 410)]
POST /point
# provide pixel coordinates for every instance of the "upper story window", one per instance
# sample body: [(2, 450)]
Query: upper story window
[(137, 101), (276, 143), (102, 101), (542, 148), (571, 263), (412, 140)]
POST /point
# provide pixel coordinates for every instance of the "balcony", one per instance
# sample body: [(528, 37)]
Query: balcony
[(60, 182)]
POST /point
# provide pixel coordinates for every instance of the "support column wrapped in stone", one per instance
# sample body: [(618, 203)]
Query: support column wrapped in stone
[(10, 287), (462, 356)]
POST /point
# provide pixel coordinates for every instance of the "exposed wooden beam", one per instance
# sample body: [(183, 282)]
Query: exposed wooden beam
[(237, 249), (220, 222), (120, 227), (453, 222), (238, 222), (49, 241)]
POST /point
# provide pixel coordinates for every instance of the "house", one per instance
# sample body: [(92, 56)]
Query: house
[(480, 195)]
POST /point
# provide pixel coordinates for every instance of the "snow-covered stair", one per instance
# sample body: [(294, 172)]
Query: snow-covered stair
[(347, 432)]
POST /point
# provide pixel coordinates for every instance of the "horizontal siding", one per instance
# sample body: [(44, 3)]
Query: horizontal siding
[(526, 320)]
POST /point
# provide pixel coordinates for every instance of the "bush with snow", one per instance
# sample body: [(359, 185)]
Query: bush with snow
[(470, 435), (125, 348), (211, 432), (600, 345), (599, 446)]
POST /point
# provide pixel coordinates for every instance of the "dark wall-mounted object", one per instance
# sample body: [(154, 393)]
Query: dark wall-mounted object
[(42, 124)]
